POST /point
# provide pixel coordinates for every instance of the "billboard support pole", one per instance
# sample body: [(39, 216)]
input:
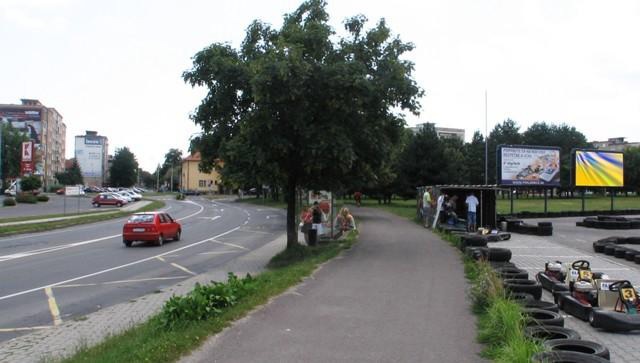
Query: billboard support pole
[(511, 192), (582, 193), (612, 192), (544, 190)]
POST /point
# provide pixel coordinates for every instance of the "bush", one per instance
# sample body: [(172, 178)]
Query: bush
[(205, 301), (42, 198), (29, 183), (26, 198), (180, 196), (9, 202)]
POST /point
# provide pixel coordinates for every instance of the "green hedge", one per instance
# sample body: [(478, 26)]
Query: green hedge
[(26, 198), (42, 198), (9, 202)]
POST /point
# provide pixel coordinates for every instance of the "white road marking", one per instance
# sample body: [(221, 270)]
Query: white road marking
[(53, 306), (183, 269), (257, 232), (194, 214), (230, 244), (216, 252), (161, 259), (123, 281), (75, 244), (211, 218), (119, 267), (30, 328)]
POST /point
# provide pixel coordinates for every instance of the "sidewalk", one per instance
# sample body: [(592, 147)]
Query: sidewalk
[(398, 296)]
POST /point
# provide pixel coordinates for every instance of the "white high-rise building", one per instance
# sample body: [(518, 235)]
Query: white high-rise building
[(92, 154)]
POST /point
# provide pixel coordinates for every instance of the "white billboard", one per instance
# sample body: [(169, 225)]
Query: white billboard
[(529, 165), (89, 154)]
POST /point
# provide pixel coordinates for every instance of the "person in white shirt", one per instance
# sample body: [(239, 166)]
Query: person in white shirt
[(472, 205)]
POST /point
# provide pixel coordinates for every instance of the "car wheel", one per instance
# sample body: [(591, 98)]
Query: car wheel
[(119, 205), (127, 243), (575, 345), (96, 205), (160, 240), (177, 237)]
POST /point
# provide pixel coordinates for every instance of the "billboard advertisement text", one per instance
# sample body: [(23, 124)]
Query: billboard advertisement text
[(529, 166), (599, 169)]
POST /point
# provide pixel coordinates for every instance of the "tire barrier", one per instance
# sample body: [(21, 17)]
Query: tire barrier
[(539, 317), (580, 346), (512, 273), (614, 246), (566, 357), (491, 254), (521, 297), (529, 286), (550, 333), (541, 229), (540, 304), (610, 222)]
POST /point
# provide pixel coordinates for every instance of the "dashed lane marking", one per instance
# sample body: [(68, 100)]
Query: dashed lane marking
[(252, 231), (124, 281), (216, 252), (230, 244), (53, 306), (183, 269)]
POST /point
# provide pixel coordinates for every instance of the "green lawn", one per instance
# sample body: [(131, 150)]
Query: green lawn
[(592, 203)]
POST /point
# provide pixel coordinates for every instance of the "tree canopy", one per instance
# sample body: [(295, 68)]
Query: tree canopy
[(11, 143), (124, 168), (300, 106), (71, 176)]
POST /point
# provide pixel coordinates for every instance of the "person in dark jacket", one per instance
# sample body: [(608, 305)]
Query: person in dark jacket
[(316, 220)]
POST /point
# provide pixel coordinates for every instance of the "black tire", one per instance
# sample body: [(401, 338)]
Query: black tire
[(127, 243), (566, 357), (520, 297), (610, 250), (550, 333), (542, 317), (97, 205), (620, 252), (496, 265), (581, 346), (512, 273), (633, 240), (473, 241), (545, 224), (529, 286), (499, 254), (631, 254), (119, 205), (637, 259), (598, 246), (160, 240), (539, 304), (177, 237)]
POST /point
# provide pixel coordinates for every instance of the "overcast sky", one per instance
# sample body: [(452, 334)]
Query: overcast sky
[(115, 66)]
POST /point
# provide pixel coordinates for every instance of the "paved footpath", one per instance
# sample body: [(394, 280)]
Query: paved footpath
[(399, 295)]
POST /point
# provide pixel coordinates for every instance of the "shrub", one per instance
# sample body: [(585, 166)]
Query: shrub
[(486, 285), (180, 196), (53, 188), (42, 198), (29, 183), (205, 301), (26, 198), (9, 202)]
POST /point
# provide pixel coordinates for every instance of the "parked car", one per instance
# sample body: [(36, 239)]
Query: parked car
[(124, 196), (107, 199), (132, 194), (150, 227)]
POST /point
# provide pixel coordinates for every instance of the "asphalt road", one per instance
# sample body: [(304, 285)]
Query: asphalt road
[(57, 204), (61, 275)]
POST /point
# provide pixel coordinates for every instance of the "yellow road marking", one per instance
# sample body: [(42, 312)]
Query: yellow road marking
[(29, 328), (183, 269), (53, 307), (123, 281)]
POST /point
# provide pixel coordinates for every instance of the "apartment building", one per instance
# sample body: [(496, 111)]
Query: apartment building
[(92, 153), (44, 126)]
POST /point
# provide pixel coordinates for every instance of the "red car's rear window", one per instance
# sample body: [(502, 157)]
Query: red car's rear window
[(141, 218)]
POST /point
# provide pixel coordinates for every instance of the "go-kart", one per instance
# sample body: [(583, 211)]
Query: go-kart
[(620, 307), (582, 294), (552, 278)]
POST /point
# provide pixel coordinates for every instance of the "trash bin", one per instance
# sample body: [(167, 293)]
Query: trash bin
[(503, 226)]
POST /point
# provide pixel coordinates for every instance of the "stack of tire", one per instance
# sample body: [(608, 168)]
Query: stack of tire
[(541, 229), (610, 222), (614, 246)]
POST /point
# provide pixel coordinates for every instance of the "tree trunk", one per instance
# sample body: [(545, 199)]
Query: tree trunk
[(292, 228)]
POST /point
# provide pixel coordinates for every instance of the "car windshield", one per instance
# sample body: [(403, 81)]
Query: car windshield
[(141, 218)]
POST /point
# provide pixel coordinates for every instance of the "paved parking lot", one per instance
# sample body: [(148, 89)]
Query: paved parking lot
[(570, 243), (57, 204)]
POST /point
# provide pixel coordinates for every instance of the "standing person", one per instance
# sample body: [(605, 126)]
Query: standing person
[(306, 221), (472, 205), (316, 220), (427, 203), (357, 196)]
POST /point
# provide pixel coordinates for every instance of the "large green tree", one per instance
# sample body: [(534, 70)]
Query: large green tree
[(506, 133), (11, 143), (474, 159), (632, 169), (71, 176), (172, 166), (300, 106), (123, 171)]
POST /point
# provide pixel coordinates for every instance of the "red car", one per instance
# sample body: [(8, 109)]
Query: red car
[(107, 199), (150, 226)]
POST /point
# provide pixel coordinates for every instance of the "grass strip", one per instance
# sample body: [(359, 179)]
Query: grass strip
[(47, 226), (151, 342)]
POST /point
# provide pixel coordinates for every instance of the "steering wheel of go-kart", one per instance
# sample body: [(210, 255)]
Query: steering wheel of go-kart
[(616, 286), (580, 265)]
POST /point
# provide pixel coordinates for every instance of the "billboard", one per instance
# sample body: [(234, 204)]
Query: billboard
[(593, 168), (89, 152), (28, 122), (26, 159), (522, 165)]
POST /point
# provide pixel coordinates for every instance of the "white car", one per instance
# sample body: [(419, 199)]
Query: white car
[(135, 196), (123, 196)]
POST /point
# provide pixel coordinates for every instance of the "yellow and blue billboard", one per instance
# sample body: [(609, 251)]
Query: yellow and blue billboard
[(599, 168)]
